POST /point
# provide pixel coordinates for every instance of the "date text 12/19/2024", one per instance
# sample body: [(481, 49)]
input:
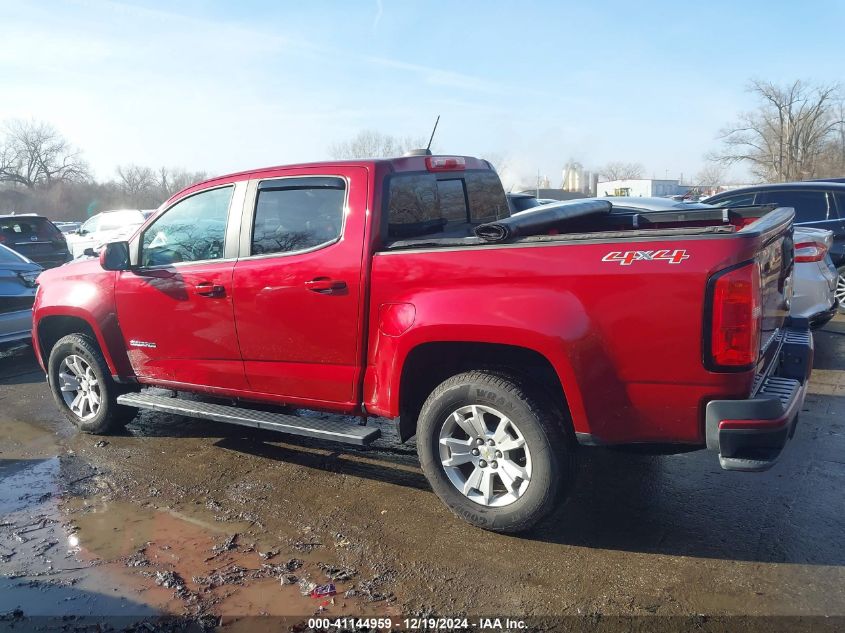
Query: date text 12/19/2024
[(417, 624)]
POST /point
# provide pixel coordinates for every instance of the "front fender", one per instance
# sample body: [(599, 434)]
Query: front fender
[(81, 291)]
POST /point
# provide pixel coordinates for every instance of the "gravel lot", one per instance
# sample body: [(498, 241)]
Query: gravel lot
[(206, 520)]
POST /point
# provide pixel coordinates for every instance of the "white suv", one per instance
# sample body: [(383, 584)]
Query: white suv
[(109, 226)]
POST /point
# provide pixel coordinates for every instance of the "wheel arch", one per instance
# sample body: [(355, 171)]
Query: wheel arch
[(52, 327), (429, 364)]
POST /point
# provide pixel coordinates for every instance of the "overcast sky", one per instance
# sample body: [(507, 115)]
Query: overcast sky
[(234, 85)]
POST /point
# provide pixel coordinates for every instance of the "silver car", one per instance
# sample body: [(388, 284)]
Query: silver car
[(815, 276), (17, 292)]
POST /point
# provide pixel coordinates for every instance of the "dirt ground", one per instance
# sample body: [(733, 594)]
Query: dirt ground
[(218, 523)]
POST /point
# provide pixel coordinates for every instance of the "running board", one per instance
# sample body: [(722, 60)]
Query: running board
[(291, 424)]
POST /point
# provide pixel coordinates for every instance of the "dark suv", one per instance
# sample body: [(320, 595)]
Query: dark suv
[(819, 204), (36, 238)]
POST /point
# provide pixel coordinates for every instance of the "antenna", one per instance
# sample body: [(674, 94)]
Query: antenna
[(431, 138)]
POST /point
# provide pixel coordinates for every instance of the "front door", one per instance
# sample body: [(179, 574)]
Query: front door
[(175, 307), (298, 286)]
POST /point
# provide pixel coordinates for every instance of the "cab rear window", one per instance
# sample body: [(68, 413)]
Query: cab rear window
[(437, 204), (27, 228)]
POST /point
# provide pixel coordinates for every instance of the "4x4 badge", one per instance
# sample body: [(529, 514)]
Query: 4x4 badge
[(627, 258)]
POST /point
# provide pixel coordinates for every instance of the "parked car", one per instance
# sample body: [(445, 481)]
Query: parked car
[(403, 288), (519, 202), (34, 237), (815, 281), (815, 276), (18, 277), (818, 204), (68, 227), (105, 227)]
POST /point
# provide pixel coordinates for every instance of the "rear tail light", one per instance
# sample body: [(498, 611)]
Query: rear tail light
[(810, 252), (445, 163), (736, 318)]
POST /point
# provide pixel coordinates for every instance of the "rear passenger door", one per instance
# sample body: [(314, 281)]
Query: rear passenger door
[(298, 285)]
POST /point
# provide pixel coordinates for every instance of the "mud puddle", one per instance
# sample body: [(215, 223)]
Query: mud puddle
[(183, 564), (68, 548)]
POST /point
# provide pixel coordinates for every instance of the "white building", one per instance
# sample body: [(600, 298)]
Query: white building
[(641, 187)]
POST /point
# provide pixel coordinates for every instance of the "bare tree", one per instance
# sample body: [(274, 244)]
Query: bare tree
[(618, 170), (710, 176), (372, 144), (136, 183), (33, 153), (789, 133), (171, 180)]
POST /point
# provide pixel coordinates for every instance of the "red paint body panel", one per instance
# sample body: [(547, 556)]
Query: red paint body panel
[(625, 341), (82, 290), (194, 335), (297, 342), (596, 323)]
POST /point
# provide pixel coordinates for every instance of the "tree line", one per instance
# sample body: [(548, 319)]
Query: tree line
[(41, 172), (795, 132)]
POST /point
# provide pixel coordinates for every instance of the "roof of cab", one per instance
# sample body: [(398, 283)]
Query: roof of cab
[(399, 164)]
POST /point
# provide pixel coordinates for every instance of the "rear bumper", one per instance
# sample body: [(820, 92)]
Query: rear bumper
[(750, 434), (821, 319)]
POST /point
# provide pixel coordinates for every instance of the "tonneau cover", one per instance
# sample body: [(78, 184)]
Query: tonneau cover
[(540, 219)]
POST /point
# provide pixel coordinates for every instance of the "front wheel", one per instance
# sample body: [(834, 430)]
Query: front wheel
[(839, 293), (494, 451), (83, 387)]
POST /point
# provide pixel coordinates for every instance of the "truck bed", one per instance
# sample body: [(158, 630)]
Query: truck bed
[(596, 304), (616, 225)]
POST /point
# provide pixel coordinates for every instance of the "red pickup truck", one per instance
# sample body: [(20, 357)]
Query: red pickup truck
[(377, 288)]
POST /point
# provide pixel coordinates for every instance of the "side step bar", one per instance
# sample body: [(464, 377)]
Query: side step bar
[(291, 424)]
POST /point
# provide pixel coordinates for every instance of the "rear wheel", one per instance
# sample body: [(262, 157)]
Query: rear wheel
[(83, 387), (494, 450), (839, 293)]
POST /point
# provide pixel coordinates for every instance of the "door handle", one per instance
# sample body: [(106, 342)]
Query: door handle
[(208, 289), (325, 285)]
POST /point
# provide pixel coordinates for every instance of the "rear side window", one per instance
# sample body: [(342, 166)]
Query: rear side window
[(810, 206), (297, 214), (26, 228), (428, 204)]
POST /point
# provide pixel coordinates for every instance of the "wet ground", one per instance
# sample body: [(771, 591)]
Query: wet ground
[(217, 523)]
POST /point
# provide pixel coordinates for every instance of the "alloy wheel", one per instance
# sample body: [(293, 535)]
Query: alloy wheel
[(485, 456), (79, 387), (839, 293)]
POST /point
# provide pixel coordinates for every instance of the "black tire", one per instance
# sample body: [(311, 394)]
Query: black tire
[(840, 289), (111, 417), (544, 427)]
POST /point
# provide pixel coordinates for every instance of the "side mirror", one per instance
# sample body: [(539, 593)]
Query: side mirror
[(80, 231), (115, 256)]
